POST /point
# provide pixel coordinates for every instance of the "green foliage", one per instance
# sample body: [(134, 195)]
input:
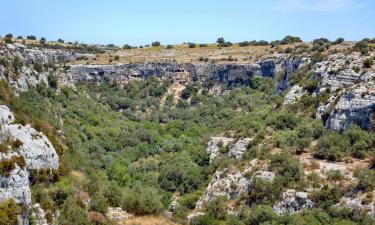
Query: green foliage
[(327, 196), (335, 146), (180, 174), (155, 44), (290, 40), (192, 45), (7, 165), (31, 37), (366, 179), (72, 212), (282, 120), (9, 211), (262, 214), (339, 41), (142, 200), (43, 40), (367, 63), (98, 203), (263, 192), (287, 167)]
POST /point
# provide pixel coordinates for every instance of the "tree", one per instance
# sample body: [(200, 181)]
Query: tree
[(180, 174), (31, 37), (42, 41), (9, 35), (339, 41), (155, 44), (192, 45), (60, 40), (220, 41), (126, 46)]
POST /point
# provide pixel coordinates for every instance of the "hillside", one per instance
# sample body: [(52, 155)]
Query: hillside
[(248, 133)]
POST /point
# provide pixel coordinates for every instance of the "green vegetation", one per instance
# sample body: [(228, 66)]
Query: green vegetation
[(155, 44), (9, 211), (354, 142)]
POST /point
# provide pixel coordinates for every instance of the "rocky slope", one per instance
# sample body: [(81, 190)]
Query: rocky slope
[(26, 149)]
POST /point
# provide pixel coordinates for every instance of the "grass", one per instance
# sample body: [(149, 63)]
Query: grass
[(183, 54)]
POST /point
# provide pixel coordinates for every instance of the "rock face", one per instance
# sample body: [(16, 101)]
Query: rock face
[(224, 183), (37, 152), (226, 74), (233, 148), (295, 94), (232, 183), (288, 67), (292, 202), (29, 67), (351, 91)]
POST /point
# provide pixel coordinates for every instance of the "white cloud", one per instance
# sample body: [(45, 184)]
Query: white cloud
[(315, 5)]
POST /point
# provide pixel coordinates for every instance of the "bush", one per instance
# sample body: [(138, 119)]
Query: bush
[(98, 204), (192, 45), (142, 200), (366, 179), (283, 120), (9, 210), (180, 174), (262, 214), (367, 63), (73, 212), (155, 44), (220, 41), (169, 46), (31, 37), (290, 40), (286, 166), (332, 147), (339, 41), (42, 40), (362, 47), (52, 81), (327, 196), (203, 45)]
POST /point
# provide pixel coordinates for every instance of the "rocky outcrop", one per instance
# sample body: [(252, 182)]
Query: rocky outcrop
[(233, 183), (24, 67), (230, 146), (350, 87), (295, 94), (288, 67), (227, 74), (224, 183), (293, 201), (36, 152)]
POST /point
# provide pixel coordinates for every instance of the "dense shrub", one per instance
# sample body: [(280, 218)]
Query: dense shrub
[(334, 146), (287, 167), (9, 211), (367, 63), (180, 174), (327, 196), (366, 179), (155, 44), (31, 37), (142, 200), (290, 40), (42, 40)]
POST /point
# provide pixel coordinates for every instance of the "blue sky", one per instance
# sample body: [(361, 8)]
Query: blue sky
[(139, 22)]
